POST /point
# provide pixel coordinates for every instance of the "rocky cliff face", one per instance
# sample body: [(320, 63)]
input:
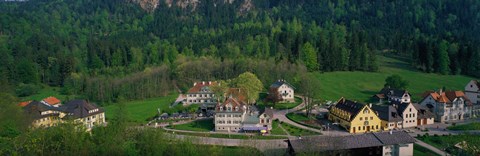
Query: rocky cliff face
[(151, 5)]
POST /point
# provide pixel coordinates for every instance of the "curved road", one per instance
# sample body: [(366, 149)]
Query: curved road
[(278, 146)]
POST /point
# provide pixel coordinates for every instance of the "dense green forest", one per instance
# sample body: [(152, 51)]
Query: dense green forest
[(107, 50)]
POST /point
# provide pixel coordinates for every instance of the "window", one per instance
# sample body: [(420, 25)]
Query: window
[(366, 118), (365, 111), (365, 123), (361, 118), (371, 118), (410, 109), (376, 127)]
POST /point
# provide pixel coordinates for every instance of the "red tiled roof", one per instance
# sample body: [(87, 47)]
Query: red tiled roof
[(23, 104), (237, 93), (231, 101), (447, 96), (198, 86), (51, 100)]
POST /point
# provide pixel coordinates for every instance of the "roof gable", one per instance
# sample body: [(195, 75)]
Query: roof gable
[(51, 100), (202, 87), (279, 83)]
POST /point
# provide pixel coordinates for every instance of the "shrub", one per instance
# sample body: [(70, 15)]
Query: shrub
[(27, 89)]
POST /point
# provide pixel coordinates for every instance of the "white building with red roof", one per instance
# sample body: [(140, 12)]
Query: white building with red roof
[(52, 101), (202, 94), (448, 105)]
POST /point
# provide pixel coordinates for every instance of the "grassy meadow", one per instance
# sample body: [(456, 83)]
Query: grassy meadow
[(140, 110), (199, 125), (361, 86)]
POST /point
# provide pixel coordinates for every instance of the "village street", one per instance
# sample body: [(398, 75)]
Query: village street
[(278, 146)]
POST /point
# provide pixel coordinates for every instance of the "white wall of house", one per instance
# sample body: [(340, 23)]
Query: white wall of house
[(444, 113), (200, 98), (398, 150), (265, 120), (410, 116), (287, 92), (471, 91), (404, 99), (228, 121), (404, 149)]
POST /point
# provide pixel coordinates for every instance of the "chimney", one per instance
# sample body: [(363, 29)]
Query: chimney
[(370, 105), (209, 82), (195, 83), (391, 132), (203, 82), (440, 91)]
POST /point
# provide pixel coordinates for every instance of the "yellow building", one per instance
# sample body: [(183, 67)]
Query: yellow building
[(354, 117), (42, 115), (80, 111)]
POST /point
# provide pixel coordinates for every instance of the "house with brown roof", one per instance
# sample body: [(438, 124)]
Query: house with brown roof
[(202, 94), (51, 101), (448, 105), (354, 116), (472, 91), (234, 115)]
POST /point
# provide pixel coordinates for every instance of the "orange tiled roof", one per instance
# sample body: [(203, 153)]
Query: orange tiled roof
[(448, 96), (23, 104), (236, 93), (51, 100)]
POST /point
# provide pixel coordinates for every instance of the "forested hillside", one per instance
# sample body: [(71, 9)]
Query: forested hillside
[(111, 49)]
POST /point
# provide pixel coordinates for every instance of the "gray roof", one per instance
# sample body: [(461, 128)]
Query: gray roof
[(35, 108), (349, 106), (423, 112), (80, 109), (329, 143), (402, 107), (393, 92), (279, 83), (387, 113)]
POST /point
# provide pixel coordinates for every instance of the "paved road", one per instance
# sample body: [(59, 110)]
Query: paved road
[(281, 116)]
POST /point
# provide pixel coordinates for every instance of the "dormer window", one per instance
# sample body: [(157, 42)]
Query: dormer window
[(365, 111), (221, 108), (229, 108), (236, 108)]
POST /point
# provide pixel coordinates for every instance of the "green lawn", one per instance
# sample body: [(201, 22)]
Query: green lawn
[(302, 119), (199, 125), (469, 126), (361, 86), (46, 92), (447, 142), (297, 117), (422, 151), (141, 110), (276, 130), (279, 106), (295, 131)]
